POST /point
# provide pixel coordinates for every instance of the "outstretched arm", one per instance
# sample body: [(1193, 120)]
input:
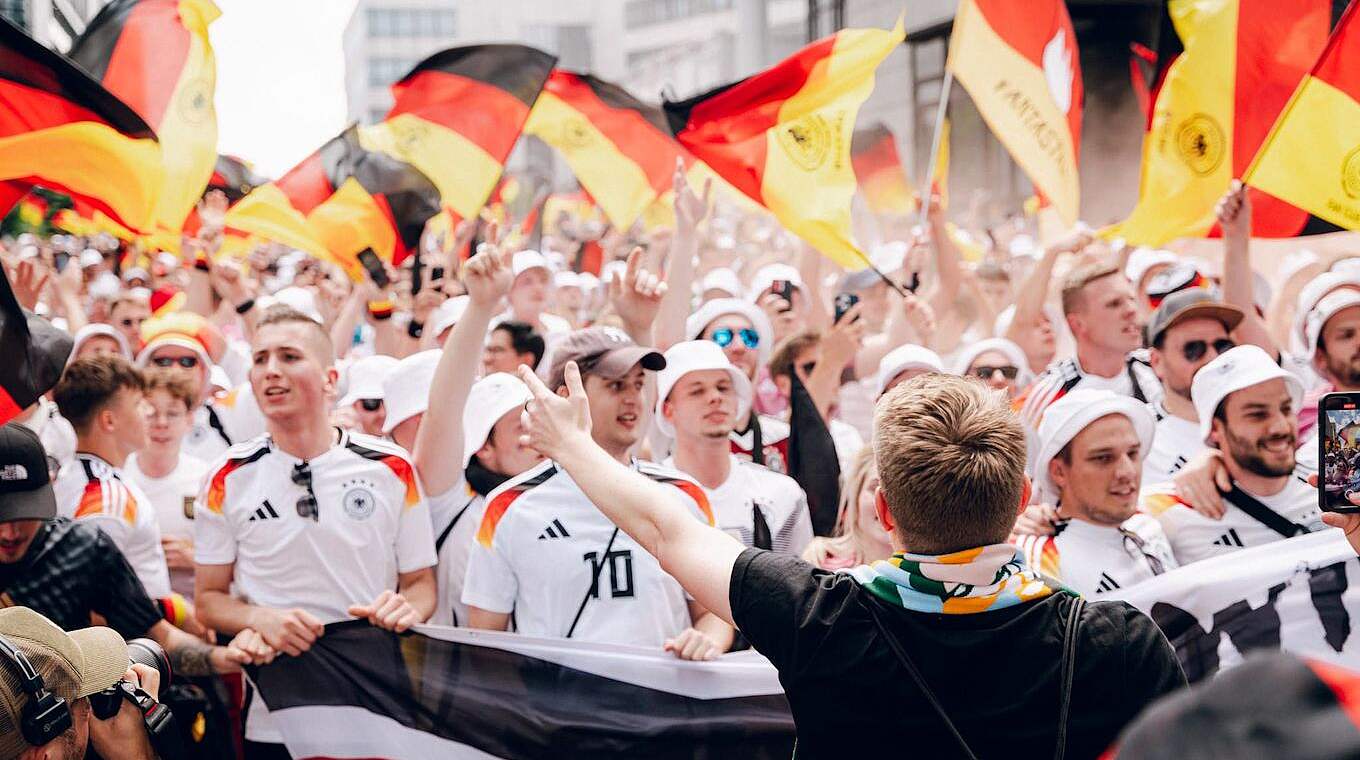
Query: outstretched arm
[(1234, 216), (690, 210), (699, 556)]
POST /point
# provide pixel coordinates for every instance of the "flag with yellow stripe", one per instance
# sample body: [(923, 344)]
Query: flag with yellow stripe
[(1311, 158), (782, 137)]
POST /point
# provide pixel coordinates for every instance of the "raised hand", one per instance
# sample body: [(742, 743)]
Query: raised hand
[(1074, 241), (690, 209), (212, 214), (488, 275), (1234, 211), (636, 296), (28, 279), (554, 424)]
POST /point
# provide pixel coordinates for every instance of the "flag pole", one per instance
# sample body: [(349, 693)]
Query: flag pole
[(941, 113)]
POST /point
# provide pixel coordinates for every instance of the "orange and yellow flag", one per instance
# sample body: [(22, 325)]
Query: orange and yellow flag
[(1311, 158), (1019, 63)]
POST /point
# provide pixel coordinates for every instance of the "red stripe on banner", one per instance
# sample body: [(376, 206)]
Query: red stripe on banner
[(399, 248), (147, 60), (1025, 26), (25, 109), (307, 185), (484, 114), (632, 133), (1337, 65)]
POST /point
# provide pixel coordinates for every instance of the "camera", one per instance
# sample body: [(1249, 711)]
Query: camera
[(160, 724)]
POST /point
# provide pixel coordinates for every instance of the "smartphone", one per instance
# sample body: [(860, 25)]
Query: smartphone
[(844, 302), (1339, 452), (783, 289), (436, 273), (374, 266), (60, 259)]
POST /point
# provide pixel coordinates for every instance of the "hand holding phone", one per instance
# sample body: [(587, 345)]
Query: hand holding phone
[(374, 266), (844, 302), (1339, 452)]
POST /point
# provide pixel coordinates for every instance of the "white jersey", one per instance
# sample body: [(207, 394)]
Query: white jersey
[(227, 419), (1100, 559), (1136, 380), (373, 524), (752, 490), (1176, 442), (1195, 537), (542, 548), (172, 497), (93, 490), (56, 434), (456, 514)]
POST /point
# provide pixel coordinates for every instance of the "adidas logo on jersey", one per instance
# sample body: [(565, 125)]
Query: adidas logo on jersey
[(1106, 584), (1230, 539), (554, 530), (265, 512)]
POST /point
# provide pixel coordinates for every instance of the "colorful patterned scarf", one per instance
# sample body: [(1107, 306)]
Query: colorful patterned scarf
[(973, 580)]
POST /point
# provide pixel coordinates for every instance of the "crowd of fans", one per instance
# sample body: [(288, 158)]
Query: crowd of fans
[(245, 450)]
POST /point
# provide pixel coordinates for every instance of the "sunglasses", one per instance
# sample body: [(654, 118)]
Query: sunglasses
[(306, 503), (1194, 350), (807, 367), (1007, 371), (724, 336), (130, 322), (371, 404), (187, 362)]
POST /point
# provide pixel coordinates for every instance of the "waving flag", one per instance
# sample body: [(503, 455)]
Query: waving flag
[(1311, 158), (35, 354), (458, 114), (1019, 63), (154, 55), (1242, 60), (339, 201), (456, 693), (782, 137), (60, 129), (619, 147), (878, 169), (234, 177)]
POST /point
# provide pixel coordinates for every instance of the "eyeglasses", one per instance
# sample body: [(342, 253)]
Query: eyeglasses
[(306, 503), (1007, 371), (724, 336), (187, 362), (1194, 350), (371, 404)]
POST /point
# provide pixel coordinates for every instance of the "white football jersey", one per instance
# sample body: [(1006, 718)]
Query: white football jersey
[(542, 548), (751, 489), (1101, 559), (1176, 442), (456, 514), (173, 499)]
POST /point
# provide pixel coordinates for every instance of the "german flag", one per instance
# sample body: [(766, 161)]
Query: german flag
[(234, 178), (619, 147), (35, 354), (878, 169), (1311, 158), (339, 201), (782, 137), (1242, 59), (457, 115), (1019, 63), (60, 129), (154, 55)]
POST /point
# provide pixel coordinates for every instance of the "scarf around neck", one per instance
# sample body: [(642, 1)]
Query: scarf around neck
[(973, 580)]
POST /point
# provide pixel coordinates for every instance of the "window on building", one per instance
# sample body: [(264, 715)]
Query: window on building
[(384, 71), (14, 11), (414, 22), (638, 13)]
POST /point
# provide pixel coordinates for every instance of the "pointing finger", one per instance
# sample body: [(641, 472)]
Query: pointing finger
[(575, 389), (536, 387)]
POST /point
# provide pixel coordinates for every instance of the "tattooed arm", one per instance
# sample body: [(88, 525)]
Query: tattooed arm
[(193, 657)]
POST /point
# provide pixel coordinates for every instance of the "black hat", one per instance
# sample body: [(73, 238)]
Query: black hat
[(25, 489)]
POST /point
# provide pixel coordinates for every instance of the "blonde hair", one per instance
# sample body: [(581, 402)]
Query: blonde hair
[(848, 543), (951, 463), (1074, 285)]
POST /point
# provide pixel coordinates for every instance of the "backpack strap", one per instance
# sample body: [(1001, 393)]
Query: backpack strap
[(1263, 514)]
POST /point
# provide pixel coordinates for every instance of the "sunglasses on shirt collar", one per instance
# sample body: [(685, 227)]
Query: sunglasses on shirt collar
[(306, 504), (724, 336), (371, 404)]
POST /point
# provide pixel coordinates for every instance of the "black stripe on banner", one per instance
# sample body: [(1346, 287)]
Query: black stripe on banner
[(32, 352), (514, 706), (517, 69), (93, 49)]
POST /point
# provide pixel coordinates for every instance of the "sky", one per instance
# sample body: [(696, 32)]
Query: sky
[(280, 78)]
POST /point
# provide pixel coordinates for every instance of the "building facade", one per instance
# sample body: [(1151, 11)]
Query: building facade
[(55, 23)]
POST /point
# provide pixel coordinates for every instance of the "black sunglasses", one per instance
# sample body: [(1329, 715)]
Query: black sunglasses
[(1194, 350), (1007, 371), (306, 503), (187, 362), (371, 404)]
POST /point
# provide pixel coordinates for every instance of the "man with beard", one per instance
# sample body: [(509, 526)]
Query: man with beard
[(1246, 404), (1092, 444), (699, 395)]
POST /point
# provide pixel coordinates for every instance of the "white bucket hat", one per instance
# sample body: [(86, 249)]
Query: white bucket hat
[(406, 389), (1231, 371), (696, 356), (1071, 414), (903, 358), (490, 399)]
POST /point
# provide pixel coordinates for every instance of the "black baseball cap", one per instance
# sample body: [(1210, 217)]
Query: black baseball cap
[(25, 489)]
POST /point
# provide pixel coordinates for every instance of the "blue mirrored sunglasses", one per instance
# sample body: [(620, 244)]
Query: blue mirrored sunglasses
[(723, 336)]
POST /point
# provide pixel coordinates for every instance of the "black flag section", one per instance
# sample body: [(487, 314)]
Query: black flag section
[(812, 459), (34, 354)]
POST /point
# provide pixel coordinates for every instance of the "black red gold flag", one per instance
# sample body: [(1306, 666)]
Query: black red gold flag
[(879, 171), (35, 354)]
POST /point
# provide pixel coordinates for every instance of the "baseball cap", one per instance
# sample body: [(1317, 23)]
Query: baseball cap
[(448, 314), (90, 258), (364, 378), (490, 399), (603, 351), (1189, 304), (296, 298), (529, 259), (1071, 414), (1327, 308), (72, 665), (99, 328), (903, 358), (406, 387), (695, 356), (25, 487), (1231, 371), (721, 279), (699, 321)]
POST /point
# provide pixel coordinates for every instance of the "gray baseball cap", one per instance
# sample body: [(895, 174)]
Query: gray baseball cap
[(1188, 304), (603, 351)]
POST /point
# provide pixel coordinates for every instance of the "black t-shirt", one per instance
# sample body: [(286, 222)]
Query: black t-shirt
[(996, 673), (73, 569)]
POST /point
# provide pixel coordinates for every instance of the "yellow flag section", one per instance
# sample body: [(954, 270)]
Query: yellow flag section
[(1312, 156), (1018, 61), (783, 136), (188, 130)]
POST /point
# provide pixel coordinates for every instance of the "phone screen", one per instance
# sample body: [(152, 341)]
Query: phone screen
[(373, 265), (844, 302), (1339, 452)]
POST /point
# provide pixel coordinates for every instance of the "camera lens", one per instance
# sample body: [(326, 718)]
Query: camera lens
[(147, 652)]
